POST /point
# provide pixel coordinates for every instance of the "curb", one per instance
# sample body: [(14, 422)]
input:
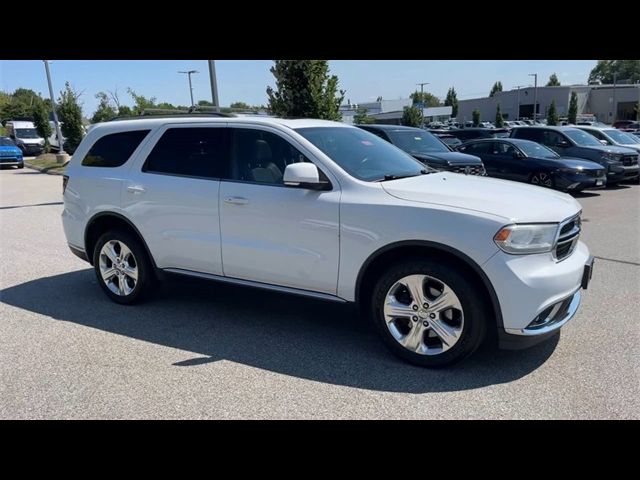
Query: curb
[(47, 170)]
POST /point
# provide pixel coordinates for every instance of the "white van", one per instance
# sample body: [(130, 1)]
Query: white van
[(53, 139), (26, 136)]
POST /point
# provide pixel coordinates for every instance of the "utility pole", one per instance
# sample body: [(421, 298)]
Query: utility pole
[(53, 106), (422, 99), (214, 85), (518, 111), (615, 109), (535, 97), (190, 86)]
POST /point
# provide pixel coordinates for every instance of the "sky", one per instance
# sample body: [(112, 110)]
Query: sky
[(246, 80)]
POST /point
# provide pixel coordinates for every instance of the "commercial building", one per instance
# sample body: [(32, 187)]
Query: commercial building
[(607, 103), (390, 111)]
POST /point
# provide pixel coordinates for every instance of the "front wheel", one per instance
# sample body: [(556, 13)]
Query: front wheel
[(122, 267), (429, 313), (542, 179)]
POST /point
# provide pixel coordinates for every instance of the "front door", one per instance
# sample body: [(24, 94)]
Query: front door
[(272, 233)]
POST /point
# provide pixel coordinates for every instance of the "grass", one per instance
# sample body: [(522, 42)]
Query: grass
[(47, 161)]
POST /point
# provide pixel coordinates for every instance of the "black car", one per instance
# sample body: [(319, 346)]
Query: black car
[(530, 162), (466, 134), (427, 148), (449, 140), (620, 163)]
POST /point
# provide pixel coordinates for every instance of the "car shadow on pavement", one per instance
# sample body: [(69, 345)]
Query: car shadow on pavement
[(290, 335)]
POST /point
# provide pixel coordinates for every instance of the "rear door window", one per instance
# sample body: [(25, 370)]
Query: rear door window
[(114, 150)]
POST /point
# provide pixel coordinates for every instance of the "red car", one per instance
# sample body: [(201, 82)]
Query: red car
[(627, 125)]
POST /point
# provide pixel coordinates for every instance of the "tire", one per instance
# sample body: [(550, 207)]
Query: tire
[(542, 179), (21, 165), (469, 322), (133, 258)]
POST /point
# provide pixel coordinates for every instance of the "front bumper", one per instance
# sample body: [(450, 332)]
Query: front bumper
[(576, 183), (619, 174), (531, 288), (31, 149)]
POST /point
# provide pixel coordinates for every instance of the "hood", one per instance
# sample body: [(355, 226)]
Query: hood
[(515, 202), (611, 149), (634, 146), (451, 158), (576, 163)]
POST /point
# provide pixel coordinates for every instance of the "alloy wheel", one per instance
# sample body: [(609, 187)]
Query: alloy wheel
[(118, 267), (542, 179)]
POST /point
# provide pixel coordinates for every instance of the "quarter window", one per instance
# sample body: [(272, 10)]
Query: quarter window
[(114, 150), (193, 152)]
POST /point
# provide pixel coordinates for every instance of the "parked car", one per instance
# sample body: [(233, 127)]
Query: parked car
[(621, 163), (26, 137), (330, 211), (427, 148), (466, 134), (626, 125), (613, 136), (530, 162), (10, 154), (449, 140), (53, 139), (487, 125)]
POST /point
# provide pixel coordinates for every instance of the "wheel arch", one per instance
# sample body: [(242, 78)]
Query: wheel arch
[(414, 248), (103, 221)]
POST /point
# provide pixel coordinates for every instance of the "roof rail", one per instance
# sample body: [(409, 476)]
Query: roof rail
[(173, 115)]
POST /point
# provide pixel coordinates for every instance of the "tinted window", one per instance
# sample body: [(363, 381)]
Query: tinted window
[(528, 134), (260, 156), (502, 148), (114, 150), (582, 138), (552, 139), (618, 136), (532, 149), (362, 154), (477, 148), (194, 152), (6, 142)]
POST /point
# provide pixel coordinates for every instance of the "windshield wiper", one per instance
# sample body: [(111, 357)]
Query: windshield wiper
[(398, 177)]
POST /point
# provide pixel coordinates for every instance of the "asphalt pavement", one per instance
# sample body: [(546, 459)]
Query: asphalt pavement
[(204, 350)]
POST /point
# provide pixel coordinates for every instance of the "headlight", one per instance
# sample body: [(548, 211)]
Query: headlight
[(523, 239), (42, 142), (611, 157)]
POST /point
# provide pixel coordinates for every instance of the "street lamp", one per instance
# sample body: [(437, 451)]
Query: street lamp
[(214, 85), (53, 107), (422, 98), (190, 86), (535, 96)]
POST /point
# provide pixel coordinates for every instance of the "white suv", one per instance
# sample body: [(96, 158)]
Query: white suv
[(323, 209)]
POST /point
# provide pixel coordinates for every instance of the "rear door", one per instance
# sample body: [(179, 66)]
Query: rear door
[(172, 195)]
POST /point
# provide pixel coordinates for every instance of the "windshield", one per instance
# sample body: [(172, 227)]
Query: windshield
[(632, 137), (618, 136), (533, 149), (27, 133), (417, 141), (583, 139), (362, 154), (6, 142)]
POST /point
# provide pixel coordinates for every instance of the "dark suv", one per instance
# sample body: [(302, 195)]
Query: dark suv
[(427, 148), (621, 163)]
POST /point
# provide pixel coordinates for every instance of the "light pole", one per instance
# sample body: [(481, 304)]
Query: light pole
[(53, 107), (535, 96), (518, 111), (615, 110), (190, 86), (422, 98), (214, 85)]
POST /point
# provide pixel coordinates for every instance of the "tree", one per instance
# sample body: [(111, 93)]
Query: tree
[(240, 106), (497, 87), (105, 111), (426, 98), (552, 114), (304, 88), (412, 117), (70, 115), (476, 117), (141, 102), (452, 101), (40, 115), (627, 71), (573, 108), (124, 111), (18, 104), (553, 81), (361, 117), (499, 119)]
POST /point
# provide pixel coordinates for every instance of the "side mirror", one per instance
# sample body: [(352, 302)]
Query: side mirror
[(604, 142), (517, 154), (12, 136), (562, 144), (304, 175)]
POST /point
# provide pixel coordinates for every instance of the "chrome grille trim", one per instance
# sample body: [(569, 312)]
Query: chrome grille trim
[(566, 242)]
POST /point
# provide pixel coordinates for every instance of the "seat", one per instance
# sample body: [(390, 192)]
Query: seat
[(261, 168)]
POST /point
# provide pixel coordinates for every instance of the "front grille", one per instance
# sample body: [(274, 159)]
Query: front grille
[(469, 169), (629, 160), (594, 173), (568, 237)]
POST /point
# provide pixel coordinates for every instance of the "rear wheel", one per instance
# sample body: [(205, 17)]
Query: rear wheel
[(122, 267), (429, 313), (542, 179)]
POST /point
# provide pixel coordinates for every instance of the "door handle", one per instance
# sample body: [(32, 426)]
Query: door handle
[(135, 189), (236, 200)]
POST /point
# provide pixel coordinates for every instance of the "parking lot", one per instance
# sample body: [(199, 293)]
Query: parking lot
[(204, 350)]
